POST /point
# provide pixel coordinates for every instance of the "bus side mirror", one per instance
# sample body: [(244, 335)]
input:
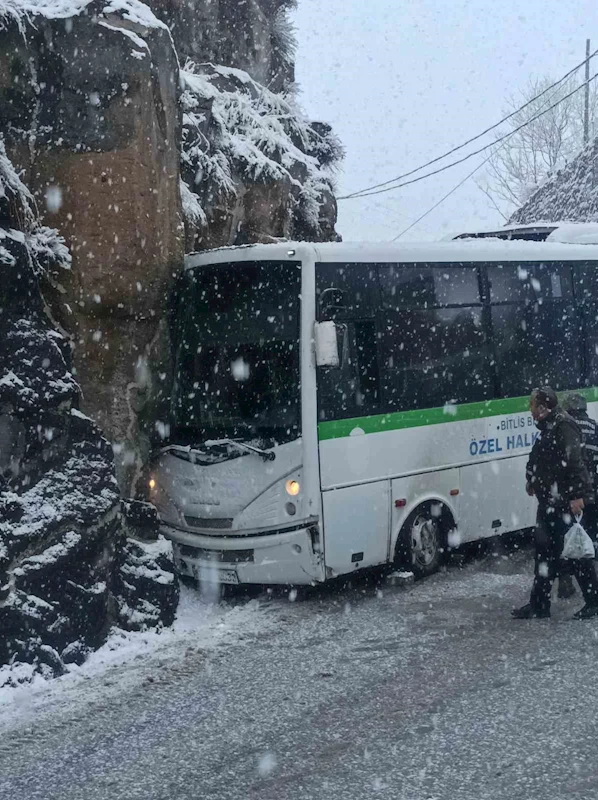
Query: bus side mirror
[(326, 339)]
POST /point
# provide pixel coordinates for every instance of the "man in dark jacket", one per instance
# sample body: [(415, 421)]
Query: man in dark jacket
[(557, 476), (576, 406)]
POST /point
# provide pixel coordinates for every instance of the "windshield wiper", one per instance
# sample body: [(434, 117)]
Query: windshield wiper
[(177, 448), (192, 453), (184, 451), (266, 455)]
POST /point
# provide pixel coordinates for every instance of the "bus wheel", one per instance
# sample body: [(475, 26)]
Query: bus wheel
[(422, 542)]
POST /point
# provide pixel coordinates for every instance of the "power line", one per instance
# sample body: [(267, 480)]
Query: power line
[(442, 199), (586, 110), (469, 175), (474, 152), (473, 138)]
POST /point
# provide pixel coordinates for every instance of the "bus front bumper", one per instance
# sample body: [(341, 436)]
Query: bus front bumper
[(283, 558)]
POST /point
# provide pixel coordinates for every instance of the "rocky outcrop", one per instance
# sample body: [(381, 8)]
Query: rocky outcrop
[(253, 169), (571, 195), (255, 35), (90, 116), (113, 140), (146, 589), (92, 105), (66, 562)]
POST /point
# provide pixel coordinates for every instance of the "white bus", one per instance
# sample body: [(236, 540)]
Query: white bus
[(337, 406)]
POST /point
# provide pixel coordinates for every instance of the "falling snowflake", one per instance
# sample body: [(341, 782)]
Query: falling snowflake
[(266, 764)]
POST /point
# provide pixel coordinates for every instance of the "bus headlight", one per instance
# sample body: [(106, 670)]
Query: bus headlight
[(293, 488), (152, 483)]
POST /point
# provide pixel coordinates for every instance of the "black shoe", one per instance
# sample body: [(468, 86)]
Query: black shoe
[(566, 587), (587, 612), (528, 612)]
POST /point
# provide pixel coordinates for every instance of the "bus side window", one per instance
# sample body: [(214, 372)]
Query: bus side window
[(426, 286), (433, 338), (367, 372), (586, 297), (347, 291), (435, 356), (349, 295), (537, 329), (353, 387)]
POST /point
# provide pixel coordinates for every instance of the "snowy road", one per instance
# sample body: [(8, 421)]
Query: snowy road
[(430, 693)]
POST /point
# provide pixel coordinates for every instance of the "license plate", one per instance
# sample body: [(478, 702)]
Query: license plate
[(213, 575)]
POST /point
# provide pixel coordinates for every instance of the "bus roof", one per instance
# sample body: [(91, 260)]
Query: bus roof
[(461, 250)]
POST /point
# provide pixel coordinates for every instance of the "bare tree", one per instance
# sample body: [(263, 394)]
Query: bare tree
[(527, 158)]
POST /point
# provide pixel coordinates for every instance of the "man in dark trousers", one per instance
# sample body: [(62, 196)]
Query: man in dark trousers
[(558, 477)]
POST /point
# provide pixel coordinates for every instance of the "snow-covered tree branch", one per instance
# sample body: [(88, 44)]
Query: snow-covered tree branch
[(524, 161)]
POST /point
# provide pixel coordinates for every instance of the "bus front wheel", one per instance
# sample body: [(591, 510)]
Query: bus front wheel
[(421, 545)]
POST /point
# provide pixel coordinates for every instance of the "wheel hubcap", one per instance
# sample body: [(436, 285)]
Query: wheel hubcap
[(424, 541)]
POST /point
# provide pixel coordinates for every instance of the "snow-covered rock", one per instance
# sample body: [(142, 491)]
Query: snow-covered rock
[(91, 121), (146, 587), (571, 195), (254, 35), (253, 168), (92, 103), (67, 566)]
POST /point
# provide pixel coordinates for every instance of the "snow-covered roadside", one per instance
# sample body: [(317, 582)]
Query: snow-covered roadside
[(129, 660), (133, 662)]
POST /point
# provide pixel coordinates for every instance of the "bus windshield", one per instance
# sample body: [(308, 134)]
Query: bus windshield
[(237, 361)]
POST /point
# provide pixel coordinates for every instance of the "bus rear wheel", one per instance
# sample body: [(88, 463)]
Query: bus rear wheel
[(421, 545)]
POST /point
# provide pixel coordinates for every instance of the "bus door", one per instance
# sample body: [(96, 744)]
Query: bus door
[(355, 500)]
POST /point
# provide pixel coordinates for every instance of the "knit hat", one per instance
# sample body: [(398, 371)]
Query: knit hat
[(575, 402)]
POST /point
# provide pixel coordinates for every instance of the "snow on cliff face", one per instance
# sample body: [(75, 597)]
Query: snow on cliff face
[(253, 35), (239, 136), (16, 202), (132, 10), (68, 572), (19, 214), (92, 120)]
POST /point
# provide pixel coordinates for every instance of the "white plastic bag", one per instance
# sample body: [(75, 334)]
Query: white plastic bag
[(577, 542)]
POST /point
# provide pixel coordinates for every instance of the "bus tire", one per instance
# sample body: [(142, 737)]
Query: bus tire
[(422, 543)]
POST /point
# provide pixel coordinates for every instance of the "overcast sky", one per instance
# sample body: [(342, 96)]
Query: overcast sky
[(401, 81)]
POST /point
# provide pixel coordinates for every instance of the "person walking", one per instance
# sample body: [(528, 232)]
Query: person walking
[(576, 406), (557, 476)]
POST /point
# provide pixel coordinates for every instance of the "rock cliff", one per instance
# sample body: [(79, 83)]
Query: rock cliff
[(135, 161), (254, 35), (253, 168), (91, 119), (68, 571), (101, 123)]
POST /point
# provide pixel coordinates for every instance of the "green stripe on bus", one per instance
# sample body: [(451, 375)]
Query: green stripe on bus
[(395, 421)]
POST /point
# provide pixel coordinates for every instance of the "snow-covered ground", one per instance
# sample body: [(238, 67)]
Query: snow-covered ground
[(128, 659), (425, 693)]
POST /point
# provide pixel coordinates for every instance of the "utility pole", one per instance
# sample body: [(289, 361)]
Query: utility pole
[(586, 110)]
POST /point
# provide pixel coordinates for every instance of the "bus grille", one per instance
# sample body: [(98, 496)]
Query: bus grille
[(222, 556), (209, 522)]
